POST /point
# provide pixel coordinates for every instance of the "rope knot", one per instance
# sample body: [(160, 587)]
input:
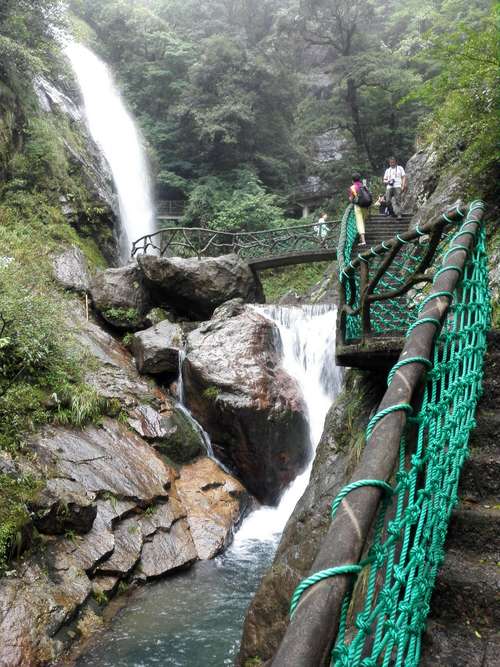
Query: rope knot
[(362, 624)]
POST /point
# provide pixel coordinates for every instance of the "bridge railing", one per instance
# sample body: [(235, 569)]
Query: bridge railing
[(368, 595), (381, 288), (200, 242), (170, 208)]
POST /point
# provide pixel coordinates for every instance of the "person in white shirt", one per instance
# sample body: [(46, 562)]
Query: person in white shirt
[(395, 182), (321, 228)]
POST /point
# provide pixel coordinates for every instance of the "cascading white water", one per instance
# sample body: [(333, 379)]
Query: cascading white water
[(181, 405), (114, 131), (308, 341)]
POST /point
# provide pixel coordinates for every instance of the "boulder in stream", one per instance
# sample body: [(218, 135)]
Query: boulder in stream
[(253, 410), (196, 287), (215, 502)]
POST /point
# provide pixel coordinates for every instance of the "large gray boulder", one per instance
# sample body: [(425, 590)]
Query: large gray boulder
[(120, 296), (71, 271), (252, 409), (195, 287), (156, 350)]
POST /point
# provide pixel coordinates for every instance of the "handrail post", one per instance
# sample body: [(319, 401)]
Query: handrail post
[(364, 274)]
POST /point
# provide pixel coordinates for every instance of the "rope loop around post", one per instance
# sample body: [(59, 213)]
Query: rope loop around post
[(405, 362), (399, 407)]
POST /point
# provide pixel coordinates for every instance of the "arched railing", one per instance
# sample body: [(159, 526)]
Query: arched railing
[(306, 241), (366, 601)]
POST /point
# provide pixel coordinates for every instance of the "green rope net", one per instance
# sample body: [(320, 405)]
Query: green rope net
[(390, 316), (384, 614), (349, 280)]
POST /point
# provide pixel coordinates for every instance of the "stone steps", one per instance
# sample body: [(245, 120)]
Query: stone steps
[(475, 527), (481, 472), (467, 590), (465, 646), (465, 608)]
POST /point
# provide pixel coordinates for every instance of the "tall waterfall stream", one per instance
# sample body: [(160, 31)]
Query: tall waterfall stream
[(195, 618), (114, 131)]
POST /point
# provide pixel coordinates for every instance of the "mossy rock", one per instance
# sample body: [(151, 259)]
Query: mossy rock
[(184, 442)]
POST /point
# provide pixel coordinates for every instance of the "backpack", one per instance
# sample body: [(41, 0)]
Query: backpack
[(364, 197)]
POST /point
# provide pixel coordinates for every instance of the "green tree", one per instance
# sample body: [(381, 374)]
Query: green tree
[(463, 98)]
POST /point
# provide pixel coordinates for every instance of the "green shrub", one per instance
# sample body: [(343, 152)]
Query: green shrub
[(41, 366), (15, 494), (211, 393), (300, 279)]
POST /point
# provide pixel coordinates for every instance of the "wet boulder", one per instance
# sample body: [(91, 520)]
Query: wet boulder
[(196, 287), (171, 432), (120, 297), (215, 502), (156, 350), (253, 410)]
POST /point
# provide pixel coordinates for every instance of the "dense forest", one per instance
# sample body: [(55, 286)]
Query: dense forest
[(242, 102), (233, 96)]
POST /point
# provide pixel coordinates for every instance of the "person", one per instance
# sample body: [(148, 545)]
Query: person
[(385, 207), (395, 181), (360, 212), (321, 228)]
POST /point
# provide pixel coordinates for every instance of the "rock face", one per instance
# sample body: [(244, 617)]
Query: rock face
[(430, 193), (156, 350), (121, 297), (109, 459), (215, 503), (64, 505), (196, 287), (171, 432), (267, 617), (110, 510), (33, 608), (252, 409), (71, 271)]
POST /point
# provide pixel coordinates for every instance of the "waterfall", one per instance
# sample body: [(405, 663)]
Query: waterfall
[(181, 405), (308, 344), (114, 131)]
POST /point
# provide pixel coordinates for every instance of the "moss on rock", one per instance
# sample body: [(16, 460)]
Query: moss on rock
[(184, 442)]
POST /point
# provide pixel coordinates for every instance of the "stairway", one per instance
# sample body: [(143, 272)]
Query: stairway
[(380, 228), (464, 623)]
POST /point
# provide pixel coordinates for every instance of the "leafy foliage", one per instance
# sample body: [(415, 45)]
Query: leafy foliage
[(15, 494), (463, 98), (41, 372)]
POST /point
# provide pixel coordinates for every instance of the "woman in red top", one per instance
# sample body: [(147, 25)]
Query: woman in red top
[(360, 213)]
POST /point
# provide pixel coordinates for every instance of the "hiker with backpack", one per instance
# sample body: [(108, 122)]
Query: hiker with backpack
[(395, 181), (360, 196)]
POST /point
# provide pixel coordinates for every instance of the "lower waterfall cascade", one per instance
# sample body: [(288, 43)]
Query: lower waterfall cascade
[(195, 618)]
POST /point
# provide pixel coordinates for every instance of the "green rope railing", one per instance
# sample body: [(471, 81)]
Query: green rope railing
[(349, 282), (383, 626), (393, 315)]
